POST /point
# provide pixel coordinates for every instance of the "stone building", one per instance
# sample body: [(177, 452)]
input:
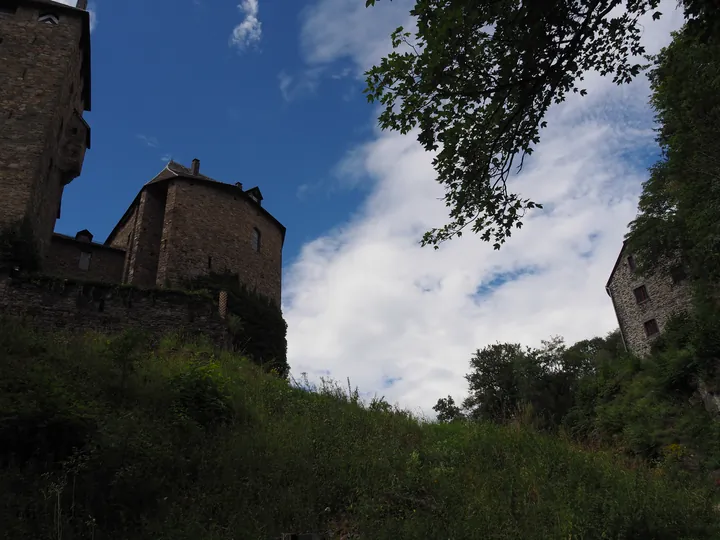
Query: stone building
[(182, 224), (643, 304), (44, 90)]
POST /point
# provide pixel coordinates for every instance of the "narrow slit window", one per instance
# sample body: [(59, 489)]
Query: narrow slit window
[(85, 260), (256, 239), (209, 262), (631, 263), (651, 328)]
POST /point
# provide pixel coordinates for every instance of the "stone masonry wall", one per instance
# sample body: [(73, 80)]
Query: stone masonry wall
[(210, 228), (125, 239), (40, 69), (148, 232), (63, 260), (665, 298), (80, 307)]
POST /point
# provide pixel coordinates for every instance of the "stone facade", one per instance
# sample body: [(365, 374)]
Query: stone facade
[(82, 307), (184, 224), (44, 69), (643, 304), (79, 259)]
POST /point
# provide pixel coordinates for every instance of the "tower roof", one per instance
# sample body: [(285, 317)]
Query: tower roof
[(174, 170)]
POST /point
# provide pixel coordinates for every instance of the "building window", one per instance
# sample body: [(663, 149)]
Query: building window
[(209, 262), (678, 274), (651, 328), (49, 18), (641, 294), (256, 239), (631, 263), (85, 260)]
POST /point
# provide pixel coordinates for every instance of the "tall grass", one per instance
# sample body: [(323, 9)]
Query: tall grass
[(107, 439)]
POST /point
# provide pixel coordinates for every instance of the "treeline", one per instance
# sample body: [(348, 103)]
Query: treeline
[(594, 392)]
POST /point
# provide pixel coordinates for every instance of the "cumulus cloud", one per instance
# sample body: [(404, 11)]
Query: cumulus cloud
[(365, 301), (249, 31)]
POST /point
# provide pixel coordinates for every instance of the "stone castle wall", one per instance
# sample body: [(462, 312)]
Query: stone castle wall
[(50, 304), (63, 260), (41, 95), (665, 298), (209, 228)]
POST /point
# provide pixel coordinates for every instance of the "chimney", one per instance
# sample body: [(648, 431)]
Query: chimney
[(195, 167), (82, 4), (84, 236), (238, 184)]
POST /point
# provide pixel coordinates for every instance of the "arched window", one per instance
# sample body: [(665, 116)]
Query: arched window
[(256, 239)]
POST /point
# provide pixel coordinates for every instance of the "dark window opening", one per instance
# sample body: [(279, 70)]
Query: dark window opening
[(85, 260), (74, 131), (651, 328), (256, 239), (631, 263), (678, 274), (641, 294), (209, 263), (101, 306)]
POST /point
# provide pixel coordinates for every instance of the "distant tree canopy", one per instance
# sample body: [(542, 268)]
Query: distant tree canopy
[(478, 77), (504, 378)]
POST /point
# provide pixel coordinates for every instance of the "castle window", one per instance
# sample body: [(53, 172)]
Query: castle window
[(678, 274), (209, 263), (256, 239), (631, 263), (85, 260), (641, 294), (49, 18), (651, 328)]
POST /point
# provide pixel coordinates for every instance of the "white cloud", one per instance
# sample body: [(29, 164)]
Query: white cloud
[(249, 31), (295, 86), (152, 142), (365, 301)]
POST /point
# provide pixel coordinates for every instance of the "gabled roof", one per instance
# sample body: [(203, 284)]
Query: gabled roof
[(617, 263), (175, 171)]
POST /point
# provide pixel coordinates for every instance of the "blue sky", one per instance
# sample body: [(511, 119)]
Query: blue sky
[(269, 93), (166, 82)]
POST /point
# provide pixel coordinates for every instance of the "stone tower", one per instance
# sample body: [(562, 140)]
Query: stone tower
[(44, 89)]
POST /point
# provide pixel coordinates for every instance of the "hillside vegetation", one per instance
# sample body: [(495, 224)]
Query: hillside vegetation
[(114, 439)]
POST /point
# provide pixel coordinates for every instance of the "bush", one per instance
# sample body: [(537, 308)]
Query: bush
[(191, 444)]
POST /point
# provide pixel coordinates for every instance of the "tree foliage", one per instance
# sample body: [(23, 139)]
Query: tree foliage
[(478, 76), (680, 202)]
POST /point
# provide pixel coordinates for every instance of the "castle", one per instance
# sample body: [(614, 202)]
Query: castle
[(644, 304), (182, 224)]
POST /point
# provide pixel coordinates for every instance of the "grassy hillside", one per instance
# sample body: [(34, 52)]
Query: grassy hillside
[(109, 439)]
